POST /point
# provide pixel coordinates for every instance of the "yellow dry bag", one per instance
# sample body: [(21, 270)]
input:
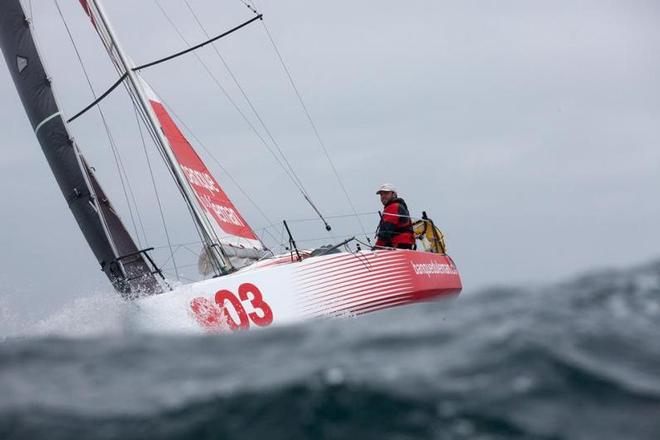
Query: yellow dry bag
[(430, 237)]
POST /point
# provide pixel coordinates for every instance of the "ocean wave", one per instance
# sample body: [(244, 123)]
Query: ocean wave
[(572, 361), (298, 411)]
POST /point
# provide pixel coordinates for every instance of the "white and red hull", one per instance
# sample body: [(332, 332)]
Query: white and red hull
[(282, 291)]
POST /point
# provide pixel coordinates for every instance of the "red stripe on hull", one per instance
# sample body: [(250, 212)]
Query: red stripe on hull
[(390, 278)]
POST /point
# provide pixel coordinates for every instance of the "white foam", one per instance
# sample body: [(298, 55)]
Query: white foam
[(8, 320), (99, 313)]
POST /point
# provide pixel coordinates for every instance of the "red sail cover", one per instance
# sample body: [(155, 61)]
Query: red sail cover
[(228, 224), (233, 228)]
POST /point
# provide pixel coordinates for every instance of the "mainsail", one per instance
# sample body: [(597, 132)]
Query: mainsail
[(222, 221), (112, 245)]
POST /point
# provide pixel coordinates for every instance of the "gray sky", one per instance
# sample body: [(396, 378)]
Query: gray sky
[(528, 130)]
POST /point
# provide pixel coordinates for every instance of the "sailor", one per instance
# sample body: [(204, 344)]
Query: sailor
[(395, 228)]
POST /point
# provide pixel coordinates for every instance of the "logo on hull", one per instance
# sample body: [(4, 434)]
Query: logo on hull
[(433, 268)]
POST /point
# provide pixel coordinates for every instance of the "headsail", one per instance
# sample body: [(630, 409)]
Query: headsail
[(228, 227), (112, 245), (231, 227)]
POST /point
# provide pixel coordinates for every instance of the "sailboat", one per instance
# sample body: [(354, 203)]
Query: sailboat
[(247, 285)]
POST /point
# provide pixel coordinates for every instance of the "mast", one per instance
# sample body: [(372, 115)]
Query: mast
[(120, 259), (219, 260)]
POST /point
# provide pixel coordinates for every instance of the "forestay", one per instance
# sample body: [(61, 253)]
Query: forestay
[(227, 227)]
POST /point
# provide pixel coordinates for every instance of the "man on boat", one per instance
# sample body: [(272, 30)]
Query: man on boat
[(395, 228)]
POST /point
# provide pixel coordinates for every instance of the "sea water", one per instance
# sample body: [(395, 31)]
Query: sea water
[(576, 360)]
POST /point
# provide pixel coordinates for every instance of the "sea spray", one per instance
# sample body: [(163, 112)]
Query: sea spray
[(95, 314), (577, 360)]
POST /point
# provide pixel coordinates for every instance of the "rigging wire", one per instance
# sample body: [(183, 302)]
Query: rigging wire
[(217, 162), (99, 99), (360, 214), (153, 132), (192, 252), (154, 138), (308, 114), (314, 128), (153, 182), (113, 146), (291, 176), (283, 161), (315, 219), (177, 245), (197, 46), (249, 6), (213, 157), (171, 257), (138, 108), (258, 116), (245, 96), (78, 156)]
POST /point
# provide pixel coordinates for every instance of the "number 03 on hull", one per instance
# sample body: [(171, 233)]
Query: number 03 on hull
[(285, 291), (247, 286)]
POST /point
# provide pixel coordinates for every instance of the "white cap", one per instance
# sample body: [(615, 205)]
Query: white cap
[(386, 187)]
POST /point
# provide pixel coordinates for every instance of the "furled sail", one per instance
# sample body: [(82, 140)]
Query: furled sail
[(113, 247), (229, 228)]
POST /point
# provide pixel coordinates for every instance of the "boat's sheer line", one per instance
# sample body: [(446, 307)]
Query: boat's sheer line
[(123, 176)]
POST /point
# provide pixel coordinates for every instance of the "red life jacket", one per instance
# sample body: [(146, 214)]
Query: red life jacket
[(395, 225)]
